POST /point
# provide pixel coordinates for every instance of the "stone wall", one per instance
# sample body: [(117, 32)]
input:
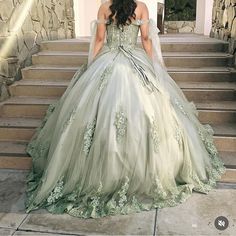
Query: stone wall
[(224, 23), (179, 26), (22, 29)]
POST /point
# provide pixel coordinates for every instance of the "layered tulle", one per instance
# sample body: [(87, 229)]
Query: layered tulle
[(119, 142)]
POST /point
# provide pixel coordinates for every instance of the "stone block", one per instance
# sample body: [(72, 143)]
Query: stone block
[(136, 224), (12, 190), (197, 215)]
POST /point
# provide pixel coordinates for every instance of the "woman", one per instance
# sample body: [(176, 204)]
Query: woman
[(123, 138)]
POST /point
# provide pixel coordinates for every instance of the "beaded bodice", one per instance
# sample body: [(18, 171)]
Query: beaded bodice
[(125, 36)]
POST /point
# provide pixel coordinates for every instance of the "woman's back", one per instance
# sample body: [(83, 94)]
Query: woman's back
[(125, 36), (122, 28)]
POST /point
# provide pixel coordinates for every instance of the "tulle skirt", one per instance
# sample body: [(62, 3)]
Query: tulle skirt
[(118, 142)]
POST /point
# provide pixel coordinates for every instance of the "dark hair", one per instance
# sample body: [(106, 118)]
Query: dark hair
[(123, 11)]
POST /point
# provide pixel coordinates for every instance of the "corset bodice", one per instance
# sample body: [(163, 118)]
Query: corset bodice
[(125, 36)]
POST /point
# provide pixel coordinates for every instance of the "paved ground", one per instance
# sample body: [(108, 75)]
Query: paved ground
[(196, 216)]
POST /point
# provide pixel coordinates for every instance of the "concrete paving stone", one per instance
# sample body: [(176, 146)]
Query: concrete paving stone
[(221, 185), (6, 231), (34, 233), (197, 215), (133, 224), (12, 190)]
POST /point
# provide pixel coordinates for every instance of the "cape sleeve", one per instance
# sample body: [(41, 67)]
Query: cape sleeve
[(176, 95), (156, 45), (93, 32)]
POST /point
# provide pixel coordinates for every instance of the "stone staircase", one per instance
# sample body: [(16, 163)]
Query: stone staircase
[(200, 65)]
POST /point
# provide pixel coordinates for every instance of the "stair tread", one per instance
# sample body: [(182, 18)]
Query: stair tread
[(30, 100), (211, 105), (228, 129), (173, 38), (211, 69), (219, 69), (51, 67), (165, 54), (207, 85), (216, 105), (19, 122), (40, 82), (183, 85)]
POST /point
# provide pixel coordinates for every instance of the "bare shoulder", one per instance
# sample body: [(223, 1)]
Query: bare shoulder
[(141, 5), (104, 6), (104, 9)]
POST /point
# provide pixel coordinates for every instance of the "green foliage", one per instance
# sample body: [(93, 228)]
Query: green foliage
[(180, 10)]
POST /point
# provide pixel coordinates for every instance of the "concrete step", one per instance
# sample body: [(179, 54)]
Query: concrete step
[(220, 118), (57, 72), (229, 176), (225, 137), (197, 95), (207, 85), (17, 129), (167, 45), (171, 59), (196, 60), (25, 107), (38, 88), (209, 112), (195, 91), (203, 74), (229, 159), (13, 156), (22, 129)]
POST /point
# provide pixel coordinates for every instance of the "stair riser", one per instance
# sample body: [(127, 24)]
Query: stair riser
[(216, 95), (195, 62), (217, 117), (176, 47), (169, 61), (25, 163), (201, 77), (229, 159), (16, 134), (56, 91), (39, 111), (25, 134), (47, 74), (32, 111), (37, 91), (59, 60), (225, 143), (17, 163), (229, 176), (229, 162)]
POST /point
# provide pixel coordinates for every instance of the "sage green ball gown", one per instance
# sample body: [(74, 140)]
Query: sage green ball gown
[(122, 139)]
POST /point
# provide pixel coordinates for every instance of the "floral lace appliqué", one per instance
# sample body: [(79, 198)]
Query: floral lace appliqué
[(155, 135), (122, 193), (57, 192), (120, 124), (178, 135), (104, 76), (181, 107), (88, 136)]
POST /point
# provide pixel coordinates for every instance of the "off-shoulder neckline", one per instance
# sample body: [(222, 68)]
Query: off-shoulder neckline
[(134, 22)]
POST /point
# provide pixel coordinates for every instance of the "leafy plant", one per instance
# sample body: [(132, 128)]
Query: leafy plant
[(180, 10)]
